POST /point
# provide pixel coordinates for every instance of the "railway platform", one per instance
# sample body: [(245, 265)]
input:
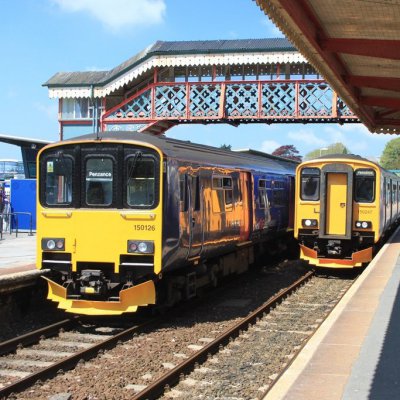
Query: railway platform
[(355, 353), (17, 261)]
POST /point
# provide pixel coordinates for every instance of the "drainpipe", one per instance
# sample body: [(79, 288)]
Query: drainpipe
[(95, 113)]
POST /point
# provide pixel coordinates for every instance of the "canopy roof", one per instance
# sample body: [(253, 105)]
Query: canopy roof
[(172, 54), (355, 45)]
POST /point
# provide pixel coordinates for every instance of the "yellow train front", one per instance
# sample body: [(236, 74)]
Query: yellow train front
[(90, 252), (344, 206)]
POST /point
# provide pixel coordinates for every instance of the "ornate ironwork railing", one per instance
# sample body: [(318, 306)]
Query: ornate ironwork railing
[(245, 101)]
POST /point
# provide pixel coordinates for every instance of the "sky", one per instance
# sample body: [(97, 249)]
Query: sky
[(41, 37)]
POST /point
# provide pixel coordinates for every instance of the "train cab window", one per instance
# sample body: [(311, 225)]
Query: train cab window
[(364, 186), (310, 181), (99, 180), (58, 181), (140, 181)]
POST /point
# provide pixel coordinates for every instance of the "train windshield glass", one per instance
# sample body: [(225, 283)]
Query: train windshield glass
[(58, 181), (364, 189), (99, 180), (140, 181), (310, 178)]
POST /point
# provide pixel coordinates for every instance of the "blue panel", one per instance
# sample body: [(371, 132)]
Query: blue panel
[(70, 131), (23, 200)]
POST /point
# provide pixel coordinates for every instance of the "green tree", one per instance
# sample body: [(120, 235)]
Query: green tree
[(390, 158), (226, 146), (335, 148)]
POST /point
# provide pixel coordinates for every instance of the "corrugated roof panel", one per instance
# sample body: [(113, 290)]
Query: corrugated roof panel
[(76, 78), (172, 48)]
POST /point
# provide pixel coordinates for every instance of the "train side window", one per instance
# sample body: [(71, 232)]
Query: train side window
[(196, 193), (222, 194), (217, 182), (228, 191), (262, 193), (183, 192), (364, 186), (99, 181), (237, 190), (310, 181), (58, 181), (278, 193), (278, 197)]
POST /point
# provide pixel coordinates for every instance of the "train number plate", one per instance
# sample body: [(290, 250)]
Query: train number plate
[(144, 227)]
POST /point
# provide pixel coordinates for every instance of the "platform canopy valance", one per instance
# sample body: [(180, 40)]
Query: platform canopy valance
[(172, 54)]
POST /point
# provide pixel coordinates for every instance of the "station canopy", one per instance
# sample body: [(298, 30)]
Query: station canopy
[(355, 46)]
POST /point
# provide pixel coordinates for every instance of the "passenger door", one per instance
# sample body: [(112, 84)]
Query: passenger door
[(336, 201), (195, 215)]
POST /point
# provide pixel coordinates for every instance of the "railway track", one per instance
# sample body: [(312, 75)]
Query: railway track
[(143, 359), (248, 366), (156, 389), (43, 353)]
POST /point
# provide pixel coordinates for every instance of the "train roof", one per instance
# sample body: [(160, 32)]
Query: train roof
[(353, 157), (186, 150)]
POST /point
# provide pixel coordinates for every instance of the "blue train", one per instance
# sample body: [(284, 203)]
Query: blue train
[(127, 219)]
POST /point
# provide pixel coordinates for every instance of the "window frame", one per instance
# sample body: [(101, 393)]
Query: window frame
[(44, 179), (73, 103), (145, 154), (84, 202), (220, 184), (263, 194), (317, 196), (355, 199)]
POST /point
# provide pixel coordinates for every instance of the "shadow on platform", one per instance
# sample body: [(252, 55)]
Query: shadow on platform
[(386, 379)]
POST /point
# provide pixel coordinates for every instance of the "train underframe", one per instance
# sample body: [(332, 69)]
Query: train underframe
[(334, 252), (96, 290)]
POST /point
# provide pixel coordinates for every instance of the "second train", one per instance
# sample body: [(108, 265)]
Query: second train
[(345, 207)]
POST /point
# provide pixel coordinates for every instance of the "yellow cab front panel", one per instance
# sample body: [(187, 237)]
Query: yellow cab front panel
[(336, 222), (99, 248)]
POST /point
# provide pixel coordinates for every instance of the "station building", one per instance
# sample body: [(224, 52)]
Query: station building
[(229, 81)]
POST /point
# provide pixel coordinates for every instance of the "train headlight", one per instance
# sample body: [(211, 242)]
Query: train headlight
[(53, 244), (309, 223), (363, 224), (143, 247)]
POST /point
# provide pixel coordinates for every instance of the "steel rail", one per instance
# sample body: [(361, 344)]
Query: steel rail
[(156, 389), (34, 337), (70, 362)]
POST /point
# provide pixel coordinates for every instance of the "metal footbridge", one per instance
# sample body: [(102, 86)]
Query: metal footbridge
[(221, 81)]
